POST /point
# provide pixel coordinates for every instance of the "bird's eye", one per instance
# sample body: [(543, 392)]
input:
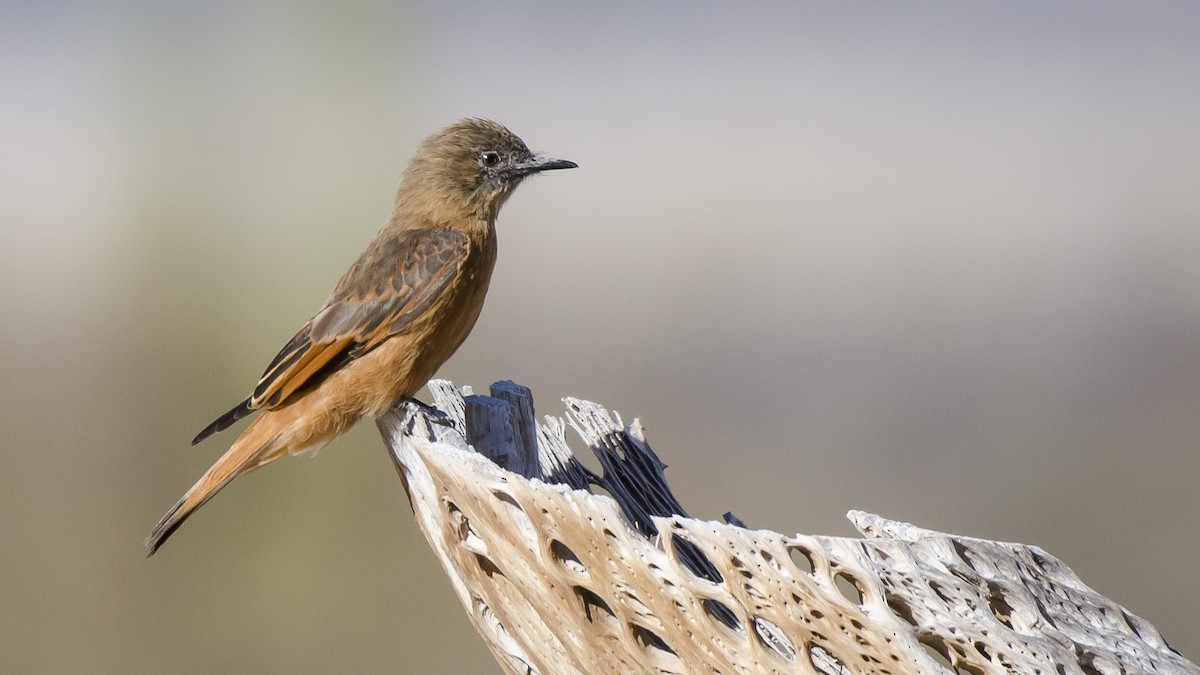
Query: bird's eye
[(490, 158)]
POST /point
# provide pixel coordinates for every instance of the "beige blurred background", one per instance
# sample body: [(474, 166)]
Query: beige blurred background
[(937, 262)]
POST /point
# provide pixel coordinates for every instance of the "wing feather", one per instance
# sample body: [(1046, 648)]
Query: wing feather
[(395, 282)]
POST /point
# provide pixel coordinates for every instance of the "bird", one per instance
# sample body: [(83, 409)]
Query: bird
[(397, 314)]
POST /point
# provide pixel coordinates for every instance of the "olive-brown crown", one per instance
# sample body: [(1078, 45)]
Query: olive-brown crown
[(469, 169)]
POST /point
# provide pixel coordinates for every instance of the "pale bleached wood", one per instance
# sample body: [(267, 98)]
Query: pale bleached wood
[(556, 580)]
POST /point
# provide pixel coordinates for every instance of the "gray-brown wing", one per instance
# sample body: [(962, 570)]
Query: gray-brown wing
[(393, 283)]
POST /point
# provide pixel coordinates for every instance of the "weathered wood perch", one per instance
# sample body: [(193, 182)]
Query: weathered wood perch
[(559, 580)]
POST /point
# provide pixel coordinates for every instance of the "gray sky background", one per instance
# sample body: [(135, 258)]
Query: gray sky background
[(937, 261)]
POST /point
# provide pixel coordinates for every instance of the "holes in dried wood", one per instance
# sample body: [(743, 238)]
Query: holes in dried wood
[(964, 554), (946, 655), (694, 559), (1043, 563), (774, 638), (456, 519), (1087, 662), (721, 613), (848, 587), (1132, 622), (937, 589), (801, 558), (900, 608), (937, 649), (594, 606), (659, 575), (462, 525), (966, 574), (823, 661), (648, 638), (999, 605), (774, 567), (566, 557), (1046, 614), (489, 568), (516, 517), (507, 498)]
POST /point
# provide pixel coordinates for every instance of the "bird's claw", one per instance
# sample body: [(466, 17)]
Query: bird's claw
[(435, 415)]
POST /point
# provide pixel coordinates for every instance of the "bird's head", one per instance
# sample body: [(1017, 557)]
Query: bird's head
[(471, 166)]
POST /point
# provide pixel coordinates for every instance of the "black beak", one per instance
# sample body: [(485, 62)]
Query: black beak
[(539, 163)]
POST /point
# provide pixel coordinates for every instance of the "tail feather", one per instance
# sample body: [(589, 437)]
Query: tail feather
[(170, 522), (250, 451)]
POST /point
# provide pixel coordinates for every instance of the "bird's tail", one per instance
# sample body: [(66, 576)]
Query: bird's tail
[(257, 446)]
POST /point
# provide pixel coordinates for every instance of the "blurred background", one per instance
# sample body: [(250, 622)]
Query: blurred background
[(939, 262)]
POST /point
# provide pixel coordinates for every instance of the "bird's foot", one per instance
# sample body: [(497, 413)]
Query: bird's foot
[(434, 414)]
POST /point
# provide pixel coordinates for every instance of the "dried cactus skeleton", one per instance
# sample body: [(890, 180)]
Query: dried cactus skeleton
[(559, 580)]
